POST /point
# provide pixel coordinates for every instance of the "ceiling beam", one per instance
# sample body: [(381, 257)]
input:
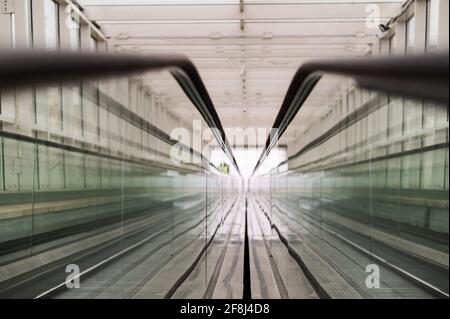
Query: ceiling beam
[(311, 10)]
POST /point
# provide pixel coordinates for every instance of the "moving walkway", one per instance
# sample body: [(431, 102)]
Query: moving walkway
[(368, 185)]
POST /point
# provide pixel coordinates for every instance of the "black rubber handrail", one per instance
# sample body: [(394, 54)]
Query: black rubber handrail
[(422, 77), (20, 68)]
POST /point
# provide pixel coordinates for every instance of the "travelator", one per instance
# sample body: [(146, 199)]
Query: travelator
[(98, 177), (361, 202), (91, 190)]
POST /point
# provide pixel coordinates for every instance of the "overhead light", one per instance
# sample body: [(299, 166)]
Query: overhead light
[(215, 35), (349, 48), (122, 36), (279, 61), (267, 35), (242, 72)]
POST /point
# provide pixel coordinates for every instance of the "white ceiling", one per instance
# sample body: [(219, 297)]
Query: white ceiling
[(246, 52)]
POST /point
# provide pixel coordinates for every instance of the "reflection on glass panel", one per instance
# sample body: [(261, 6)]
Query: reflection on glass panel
[(368, 187), (93, 43), (17, 178), (432, 25), (72, 110), (51, 24), (75, 34), (104, 184), (392, 45), (48, 108), (410, 34), (91, 110)]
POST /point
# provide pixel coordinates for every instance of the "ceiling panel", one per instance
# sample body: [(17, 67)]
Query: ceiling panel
[(246, 57)]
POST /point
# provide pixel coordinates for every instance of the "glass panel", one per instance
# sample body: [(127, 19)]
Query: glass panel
[(368, 189), (93, 43), (432, 25), (75, 34), (392, 45), (410, 34), (51, 24), (16, 234), (116, 181)]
